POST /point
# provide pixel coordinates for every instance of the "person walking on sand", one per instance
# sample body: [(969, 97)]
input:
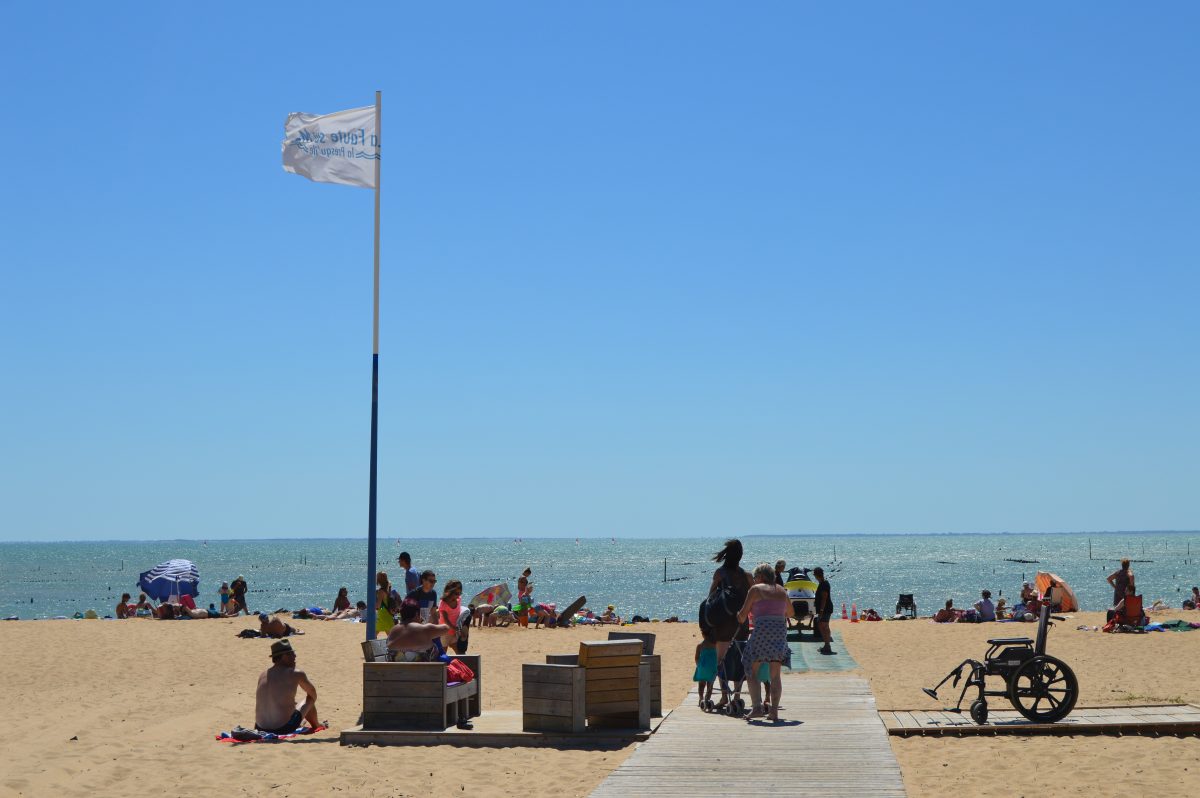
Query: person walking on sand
[(275, 707), (824, 608), (1119, 579)]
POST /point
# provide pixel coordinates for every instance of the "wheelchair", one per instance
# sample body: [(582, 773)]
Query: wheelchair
[(1041, 687)]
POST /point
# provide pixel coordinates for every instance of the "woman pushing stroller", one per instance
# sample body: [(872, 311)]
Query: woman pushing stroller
[(767, 603)]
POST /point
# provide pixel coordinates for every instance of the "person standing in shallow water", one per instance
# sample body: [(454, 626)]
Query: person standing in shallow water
[(824, 609)]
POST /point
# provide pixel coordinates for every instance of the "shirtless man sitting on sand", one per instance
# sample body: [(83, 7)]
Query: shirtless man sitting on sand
[(275, 710)]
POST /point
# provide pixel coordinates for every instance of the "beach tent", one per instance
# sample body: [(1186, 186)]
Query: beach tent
[(1063, 592), (171, 578)]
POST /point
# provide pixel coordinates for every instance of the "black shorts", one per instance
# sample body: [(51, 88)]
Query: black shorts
[(288, 728)]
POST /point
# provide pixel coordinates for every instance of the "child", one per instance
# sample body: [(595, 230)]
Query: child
[(224, 593), (706, 668)]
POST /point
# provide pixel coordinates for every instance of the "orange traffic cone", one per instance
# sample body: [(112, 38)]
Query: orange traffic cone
[(853, 612), (844, 615)]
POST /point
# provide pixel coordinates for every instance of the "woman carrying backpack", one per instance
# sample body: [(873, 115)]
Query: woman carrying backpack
[(726, 595)]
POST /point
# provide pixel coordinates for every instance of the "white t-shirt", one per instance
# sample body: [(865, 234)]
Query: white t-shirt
[(986, 610)]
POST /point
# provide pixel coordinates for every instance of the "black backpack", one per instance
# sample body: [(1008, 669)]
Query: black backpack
[(719, 611)]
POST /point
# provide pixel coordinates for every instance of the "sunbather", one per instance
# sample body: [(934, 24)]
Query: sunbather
[(947, 614), (124, 608), (272, 626), (347, 614), (609, 615)]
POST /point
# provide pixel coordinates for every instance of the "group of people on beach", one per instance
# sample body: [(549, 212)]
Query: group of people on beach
[(183, 605), (1126, 602), (744, 624), (453, 618)]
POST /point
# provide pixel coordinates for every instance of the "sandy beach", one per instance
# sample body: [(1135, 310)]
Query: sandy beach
[(110, 707)]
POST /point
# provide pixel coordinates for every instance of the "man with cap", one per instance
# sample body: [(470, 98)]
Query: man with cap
[(275, 708)]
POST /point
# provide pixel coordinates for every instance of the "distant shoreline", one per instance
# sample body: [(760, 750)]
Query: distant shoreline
[(722, 536)]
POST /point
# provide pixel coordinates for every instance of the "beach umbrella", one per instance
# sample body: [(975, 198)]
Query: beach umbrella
[(171, 578), (1063, 594), (496, 594)]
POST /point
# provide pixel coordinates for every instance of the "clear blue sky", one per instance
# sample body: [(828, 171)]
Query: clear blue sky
[(648, 269)]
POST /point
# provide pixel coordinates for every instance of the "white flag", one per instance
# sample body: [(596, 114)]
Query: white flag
[(341, 147)]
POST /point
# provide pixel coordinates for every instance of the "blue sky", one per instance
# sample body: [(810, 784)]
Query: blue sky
[(648, 269)]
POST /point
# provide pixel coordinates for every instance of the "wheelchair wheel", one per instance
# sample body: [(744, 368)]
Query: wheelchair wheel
[(1043, 689), (979, 711)]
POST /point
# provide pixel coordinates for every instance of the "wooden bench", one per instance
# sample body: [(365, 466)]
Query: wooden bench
[(606, 685), (407, 695)]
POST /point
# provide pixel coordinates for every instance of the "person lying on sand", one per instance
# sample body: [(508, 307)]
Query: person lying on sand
[(346, 614), (275, 710), (272, 626)]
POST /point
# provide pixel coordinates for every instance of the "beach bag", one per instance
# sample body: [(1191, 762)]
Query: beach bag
[(720, 609), (458, 671)]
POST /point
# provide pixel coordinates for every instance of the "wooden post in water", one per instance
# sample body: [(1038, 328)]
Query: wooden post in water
[(664, 569)]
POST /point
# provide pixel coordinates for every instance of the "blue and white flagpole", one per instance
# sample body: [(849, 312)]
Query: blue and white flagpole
[(371, 564)]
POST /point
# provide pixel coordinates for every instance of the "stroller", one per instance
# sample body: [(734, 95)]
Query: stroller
[(730, 671)]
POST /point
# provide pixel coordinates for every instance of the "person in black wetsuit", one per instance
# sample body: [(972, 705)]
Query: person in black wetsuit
[(731, 575), (824, 609)]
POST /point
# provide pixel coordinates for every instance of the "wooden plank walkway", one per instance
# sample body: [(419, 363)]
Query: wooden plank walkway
[(1183, 719), (498, 729), (830, 742)]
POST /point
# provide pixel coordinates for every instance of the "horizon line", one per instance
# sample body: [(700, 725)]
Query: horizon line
[(601, 537)]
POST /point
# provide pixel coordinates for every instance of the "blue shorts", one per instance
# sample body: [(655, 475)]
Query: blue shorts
[(288, 728)]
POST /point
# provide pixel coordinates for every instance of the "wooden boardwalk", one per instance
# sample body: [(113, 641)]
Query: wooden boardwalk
[(1163, 719), (830, 742)]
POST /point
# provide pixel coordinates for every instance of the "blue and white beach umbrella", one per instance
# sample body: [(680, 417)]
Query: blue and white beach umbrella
[(171, 578)]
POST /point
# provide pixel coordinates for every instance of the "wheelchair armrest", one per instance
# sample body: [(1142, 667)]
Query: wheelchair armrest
[(1010, 641)]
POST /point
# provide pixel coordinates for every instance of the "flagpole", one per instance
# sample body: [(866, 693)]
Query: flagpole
[(371, 552)]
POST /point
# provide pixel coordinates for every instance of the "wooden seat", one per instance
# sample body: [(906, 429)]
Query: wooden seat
[(608, 685), (408, 695)]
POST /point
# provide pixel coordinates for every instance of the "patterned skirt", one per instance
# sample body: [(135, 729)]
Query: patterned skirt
[(768, 642)]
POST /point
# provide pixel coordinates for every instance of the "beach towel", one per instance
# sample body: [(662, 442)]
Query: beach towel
[(240, 734), (1179, 626)]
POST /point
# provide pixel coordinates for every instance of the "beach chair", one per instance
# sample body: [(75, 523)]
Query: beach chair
[(607, 684), (1131, 614), (906, 605)]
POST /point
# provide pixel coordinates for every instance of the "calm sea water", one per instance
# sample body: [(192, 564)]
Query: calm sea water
[(42, 580)]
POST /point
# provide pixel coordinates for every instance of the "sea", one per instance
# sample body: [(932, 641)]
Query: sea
[(655, 578)]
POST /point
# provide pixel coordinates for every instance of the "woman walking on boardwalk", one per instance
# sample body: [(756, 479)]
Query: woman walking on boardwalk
[(768, 604), (726, 594)]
